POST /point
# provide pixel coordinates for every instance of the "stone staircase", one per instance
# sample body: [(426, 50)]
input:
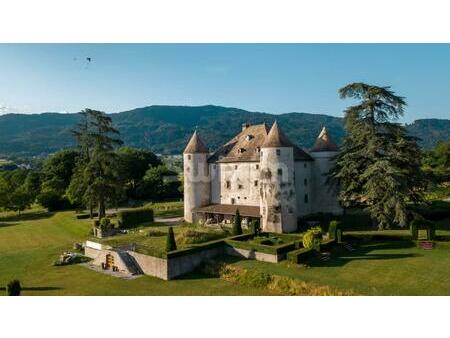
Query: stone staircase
[(130, 262)]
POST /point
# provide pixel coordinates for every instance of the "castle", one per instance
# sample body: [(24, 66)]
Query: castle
[(261, 173)]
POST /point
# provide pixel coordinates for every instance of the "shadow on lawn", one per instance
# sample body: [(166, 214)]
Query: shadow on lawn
[(37, 288), (362, 252), (4, 225), (29, 216)]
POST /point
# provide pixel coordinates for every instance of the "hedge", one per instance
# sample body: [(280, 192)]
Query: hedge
[(131, 218), (300, 255)]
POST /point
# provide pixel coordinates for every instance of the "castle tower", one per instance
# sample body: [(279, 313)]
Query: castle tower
[(197, 188), (325, 198), (277, 189)]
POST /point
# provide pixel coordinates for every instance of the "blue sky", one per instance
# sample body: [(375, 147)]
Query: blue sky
[(274, 78)]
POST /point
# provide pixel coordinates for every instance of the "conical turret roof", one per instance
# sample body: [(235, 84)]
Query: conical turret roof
[(324, 142), (195, 145), (276, 138)]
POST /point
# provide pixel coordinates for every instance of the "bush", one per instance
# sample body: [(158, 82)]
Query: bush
[(237, 227), (332, 228), (132, 218), (339, 235), (255, 227), (311, 239), (171, 245), (191, 236), (14, 288), (105, 224), (53, 201), (414, 230)]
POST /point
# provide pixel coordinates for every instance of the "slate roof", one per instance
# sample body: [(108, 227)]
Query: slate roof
[(230, 209)]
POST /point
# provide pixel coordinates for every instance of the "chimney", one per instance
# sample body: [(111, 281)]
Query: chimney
[(245, 126)]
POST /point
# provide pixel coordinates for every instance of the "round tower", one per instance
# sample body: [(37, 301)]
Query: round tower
[(278, 197), (197, 185), (325, 198)]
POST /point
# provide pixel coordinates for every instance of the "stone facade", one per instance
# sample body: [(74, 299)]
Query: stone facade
[(261, 168)]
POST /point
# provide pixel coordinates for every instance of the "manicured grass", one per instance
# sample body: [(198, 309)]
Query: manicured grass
[(156, 245), (31, 242), (167, 209), (390, 266)]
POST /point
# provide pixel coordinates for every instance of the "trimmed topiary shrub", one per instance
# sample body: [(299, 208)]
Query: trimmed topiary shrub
[(431, 230), (237, 227), (255, 227), (14, 288), (171, 245), (332, 228), (339, 235), (414, 230), (132, 218), (311, 239)]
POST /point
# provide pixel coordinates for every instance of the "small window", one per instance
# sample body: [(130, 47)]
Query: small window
[(235, 167), (188, 169), (228, 184), (189, 157), (214, 166), (239, 197), (258, 149), (290, 210), (255, 183), (240, 186), (245, 198), (306, 198), (257, 166), (233, 201), (305, 182), (305, 165), (280, 171), (278, 152)]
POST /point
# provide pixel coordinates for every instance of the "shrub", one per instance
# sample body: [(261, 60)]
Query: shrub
[(311, 239), (237, 227), (339, 235), (255, 227), (171, 245), (105, 224), (191, 236), (332, 228), (132, 218), (14, 288), (53, 201), (414, 230), (156, 233)]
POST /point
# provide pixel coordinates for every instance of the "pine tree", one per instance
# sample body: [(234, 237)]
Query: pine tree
[(379, 164), (171, 245), (96, 176), (237, 227)]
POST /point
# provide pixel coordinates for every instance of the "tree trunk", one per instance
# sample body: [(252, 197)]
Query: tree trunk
[(101, 207), (91, 210)]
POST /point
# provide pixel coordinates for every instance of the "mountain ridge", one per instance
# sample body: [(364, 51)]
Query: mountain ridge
[(166, 129)]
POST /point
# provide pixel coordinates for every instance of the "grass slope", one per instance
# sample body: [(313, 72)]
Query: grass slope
[(31, 242)]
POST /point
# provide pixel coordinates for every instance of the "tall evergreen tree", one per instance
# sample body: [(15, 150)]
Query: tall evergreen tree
[(96, 175), (379, 164), (237, 225), (171, 245)]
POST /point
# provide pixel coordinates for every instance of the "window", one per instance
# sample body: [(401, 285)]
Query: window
[(214, 166), (278, 152), (280, 171), (240, 186), (306, 198), (239, 197), (188, 169), (233, 201), (228, 184), (255, 183), (305, 182), (189, 157), (304, 165), (290, 210), (235, 167), (257, 166)]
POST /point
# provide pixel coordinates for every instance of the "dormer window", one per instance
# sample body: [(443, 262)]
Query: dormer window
[(249, 137), (241, 150), (258, 149)]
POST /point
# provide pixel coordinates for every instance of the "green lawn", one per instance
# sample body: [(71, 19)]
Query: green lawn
[(31, 242), (156, 245), (390, 266)]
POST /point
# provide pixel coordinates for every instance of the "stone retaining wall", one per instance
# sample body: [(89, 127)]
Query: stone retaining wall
[(252, 254)]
